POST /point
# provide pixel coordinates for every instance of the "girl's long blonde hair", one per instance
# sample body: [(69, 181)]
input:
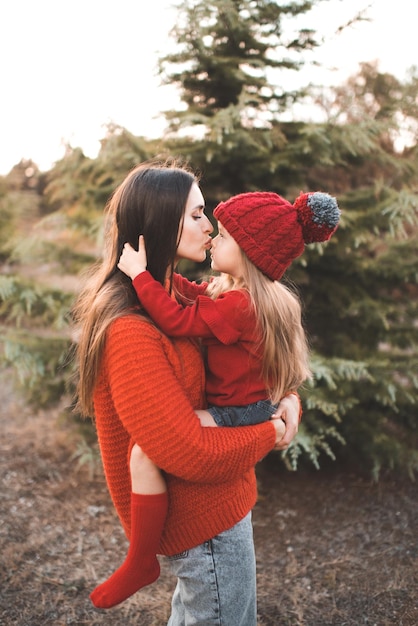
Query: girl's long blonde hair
[(283, 340)]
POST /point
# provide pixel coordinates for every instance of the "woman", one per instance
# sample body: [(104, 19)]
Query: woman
[(142, 387)]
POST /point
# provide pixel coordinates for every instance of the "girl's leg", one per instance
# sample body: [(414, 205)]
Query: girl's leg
[(216, 581), (206, 418), (149, 503)]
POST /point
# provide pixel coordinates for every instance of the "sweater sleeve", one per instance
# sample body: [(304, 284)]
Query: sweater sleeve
[(204, 318), (155, 411), (188, 289)]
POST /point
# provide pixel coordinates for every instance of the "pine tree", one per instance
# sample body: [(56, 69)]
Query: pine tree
[(225, 52), (359, 290), (50, 230)]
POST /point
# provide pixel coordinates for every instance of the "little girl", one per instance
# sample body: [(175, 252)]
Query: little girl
[(250, 324)]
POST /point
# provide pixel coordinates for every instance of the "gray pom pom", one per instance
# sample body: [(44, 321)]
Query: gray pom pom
[(324, 207)]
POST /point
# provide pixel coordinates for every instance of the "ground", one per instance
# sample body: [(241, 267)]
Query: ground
[(333, 548)]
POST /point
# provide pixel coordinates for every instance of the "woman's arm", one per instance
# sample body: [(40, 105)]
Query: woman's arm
[(154, 409)]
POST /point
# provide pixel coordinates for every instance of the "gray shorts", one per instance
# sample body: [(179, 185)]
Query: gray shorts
[(255, 413)]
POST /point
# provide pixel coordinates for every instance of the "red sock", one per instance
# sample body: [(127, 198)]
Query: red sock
[(141, 566)]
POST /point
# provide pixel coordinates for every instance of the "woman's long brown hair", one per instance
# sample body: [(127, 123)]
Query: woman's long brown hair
[(150, 201)]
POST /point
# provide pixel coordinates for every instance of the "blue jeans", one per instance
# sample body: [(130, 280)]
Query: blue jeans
[(216, 581), (255, 413)]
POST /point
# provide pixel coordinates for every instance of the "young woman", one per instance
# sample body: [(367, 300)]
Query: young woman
[(143, 388), (251, 325)]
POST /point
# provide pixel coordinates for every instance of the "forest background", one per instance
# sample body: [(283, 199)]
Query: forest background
[(240, 129)]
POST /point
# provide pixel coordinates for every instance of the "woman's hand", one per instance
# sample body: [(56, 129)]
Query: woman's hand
[(287, 412), (280, 428), (132, 262)]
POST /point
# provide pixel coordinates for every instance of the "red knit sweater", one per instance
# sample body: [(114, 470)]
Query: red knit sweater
[(228, 328), (146, 391)]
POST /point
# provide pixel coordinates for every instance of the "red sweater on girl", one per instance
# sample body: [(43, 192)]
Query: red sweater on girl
[(227, 326)]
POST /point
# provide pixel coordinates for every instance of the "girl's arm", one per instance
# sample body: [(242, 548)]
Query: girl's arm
[(134, 262), (197, 320), (203, 318), (188, 290)]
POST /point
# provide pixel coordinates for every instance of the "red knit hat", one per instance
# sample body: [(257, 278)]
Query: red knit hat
[(273, 232)]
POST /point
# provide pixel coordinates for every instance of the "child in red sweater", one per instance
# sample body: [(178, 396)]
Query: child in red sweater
[(249, 322)]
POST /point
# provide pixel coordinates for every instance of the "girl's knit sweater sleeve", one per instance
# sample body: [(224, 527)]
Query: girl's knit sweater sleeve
[(189, 289), (204, 318), (149, 400)]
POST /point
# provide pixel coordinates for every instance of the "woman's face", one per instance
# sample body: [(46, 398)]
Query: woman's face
[(195, 230)]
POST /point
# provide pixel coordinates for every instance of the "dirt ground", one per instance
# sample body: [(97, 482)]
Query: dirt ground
[(332, 548)]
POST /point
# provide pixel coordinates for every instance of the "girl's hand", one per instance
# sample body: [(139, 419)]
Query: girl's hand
[(288, 411), (132, 262)]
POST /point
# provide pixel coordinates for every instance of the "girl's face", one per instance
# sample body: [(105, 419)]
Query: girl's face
[(226, 254), (195, 230)]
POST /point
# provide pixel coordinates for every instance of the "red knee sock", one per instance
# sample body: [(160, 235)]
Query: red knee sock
[(141, 566)]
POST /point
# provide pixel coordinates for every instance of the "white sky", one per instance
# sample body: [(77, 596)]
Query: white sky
[(70, 67)]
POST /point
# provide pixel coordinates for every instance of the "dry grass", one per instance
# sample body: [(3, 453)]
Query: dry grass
[(331, 549)]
